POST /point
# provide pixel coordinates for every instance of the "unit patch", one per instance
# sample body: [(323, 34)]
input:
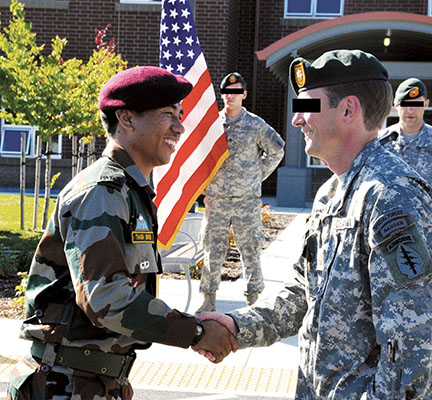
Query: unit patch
[(409, 262), (398, 240)]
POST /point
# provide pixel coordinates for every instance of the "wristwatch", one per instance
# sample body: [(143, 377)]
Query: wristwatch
[(199, 332)]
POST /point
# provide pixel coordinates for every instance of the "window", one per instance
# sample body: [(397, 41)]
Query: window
[(314, 8), (313, 162), (10, 145), (56, 147), (430, 8), (10, 142)]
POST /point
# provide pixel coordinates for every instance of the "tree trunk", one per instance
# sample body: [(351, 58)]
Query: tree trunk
[(47, 183), (80, 156), (37, 179), (91, 151), (74, 155), (22, 176)]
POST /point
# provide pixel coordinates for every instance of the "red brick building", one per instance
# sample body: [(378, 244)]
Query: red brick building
[(255, 37)]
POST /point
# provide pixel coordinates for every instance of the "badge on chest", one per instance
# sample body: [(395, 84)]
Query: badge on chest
[(142, 232)]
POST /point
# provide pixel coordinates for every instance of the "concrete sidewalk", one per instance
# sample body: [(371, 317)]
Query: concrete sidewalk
[(269, 371)]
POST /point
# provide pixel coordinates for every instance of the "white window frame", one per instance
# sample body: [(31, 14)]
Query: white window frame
[(313, 13), (310, 162), (430, 8), (58, 154), (30, 146)]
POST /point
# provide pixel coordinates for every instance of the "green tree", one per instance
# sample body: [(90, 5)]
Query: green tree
[(57, 96)]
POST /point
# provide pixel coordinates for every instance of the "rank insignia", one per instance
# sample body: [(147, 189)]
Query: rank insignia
[(299, 73), (409, 261), (142, 237), (413, 92)]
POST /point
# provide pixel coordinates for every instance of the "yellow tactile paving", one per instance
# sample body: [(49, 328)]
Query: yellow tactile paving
[(276, 382)]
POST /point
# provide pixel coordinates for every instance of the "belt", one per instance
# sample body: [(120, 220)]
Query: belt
[(87, 360)]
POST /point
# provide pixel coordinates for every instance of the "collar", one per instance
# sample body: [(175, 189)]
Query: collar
[(419, 137), (231, 121), (343, 188), (118, 154)]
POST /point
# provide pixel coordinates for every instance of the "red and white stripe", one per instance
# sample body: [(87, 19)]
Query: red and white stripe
[(199, 154)]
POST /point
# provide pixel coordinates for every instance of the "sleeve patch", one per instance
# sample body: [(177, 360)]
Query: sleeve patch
[(406, 256), (410, 263), (391, 223)]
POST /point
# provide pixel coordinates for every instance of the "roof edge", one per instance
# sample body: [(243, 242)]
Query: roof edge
[(263, 54)]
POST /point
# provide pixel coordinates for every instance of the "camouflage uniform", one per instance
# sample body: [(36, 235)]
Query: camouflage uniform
[(91, 287), (233, 197), (361, 295), (416, 152)]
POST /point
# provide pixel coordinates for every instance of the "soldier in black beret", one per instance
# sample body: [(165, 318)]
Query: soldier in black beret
[(411, 137), (233, 197), (95, 268), (359, 295)]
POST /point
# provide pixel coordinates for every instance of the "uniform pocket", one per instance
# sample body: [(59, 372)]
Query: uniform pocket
[(20, 374)]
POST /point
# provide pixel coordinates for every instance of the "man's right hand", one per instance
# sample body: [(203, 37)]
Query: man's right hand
[(223, 319)]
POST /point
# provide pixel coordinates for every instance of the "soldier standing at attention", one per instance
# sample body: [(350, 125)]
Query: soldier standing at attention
[(411, 137), (90, 295), (233, 198), (360, 295)]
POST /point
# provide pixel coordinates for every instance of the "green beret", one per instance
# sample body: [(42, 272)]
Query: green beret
[(410, 90), (335, 67), (231, 79)]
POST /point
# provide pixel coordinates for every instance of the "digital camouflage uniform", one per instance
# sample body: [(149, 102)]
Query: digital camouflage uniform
[(91, 287), (361, 295), (416, 152), (234, 197)]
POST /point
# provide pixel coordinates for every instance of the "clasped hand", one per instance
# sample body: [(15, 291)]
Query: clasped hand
[(218, 340)]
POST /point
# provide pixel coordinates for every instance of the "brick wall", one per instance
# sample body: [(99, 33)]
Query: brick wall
[(226, 31), (409, 6)]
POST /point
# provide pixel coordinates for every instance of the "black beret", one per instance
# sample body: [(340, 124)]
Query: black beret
[(335, 67), (231, 79), (143, 88), (410, 90)]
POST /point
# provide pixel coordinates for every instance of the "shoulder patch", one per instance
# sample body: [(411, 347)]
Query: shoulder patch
[(390, 224), (397, 239)]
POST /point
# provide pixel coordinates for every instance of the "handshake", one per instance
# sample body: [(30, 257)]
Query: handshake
[(219, 336)]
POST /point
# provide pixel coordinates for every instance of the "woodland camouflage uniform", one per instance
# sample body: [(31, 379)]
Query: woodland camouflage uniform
[(91, 288)]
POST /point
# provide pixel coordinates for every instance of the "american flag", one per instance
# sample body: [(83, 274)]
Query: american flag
[(202, 148)]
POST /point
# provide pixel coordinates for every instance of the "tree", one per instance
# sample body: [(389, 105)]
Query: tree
[(57, 96)]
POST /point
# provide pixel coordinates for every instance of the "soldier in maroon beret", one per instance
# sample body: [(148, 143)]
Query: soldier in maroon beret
[(95, 268)]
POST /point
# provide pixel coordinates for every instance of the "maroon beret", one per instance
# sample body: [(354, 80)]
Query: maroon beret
[(143, 88)]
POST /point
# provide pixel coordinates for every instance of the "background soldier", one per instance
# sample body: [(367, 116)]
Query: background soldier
[(411, 137), (233, 198), (360, 296), (90, 294)]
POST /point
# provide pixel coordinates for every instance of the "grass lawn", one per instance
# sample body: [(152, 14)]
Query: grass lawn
[(11, 236)]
